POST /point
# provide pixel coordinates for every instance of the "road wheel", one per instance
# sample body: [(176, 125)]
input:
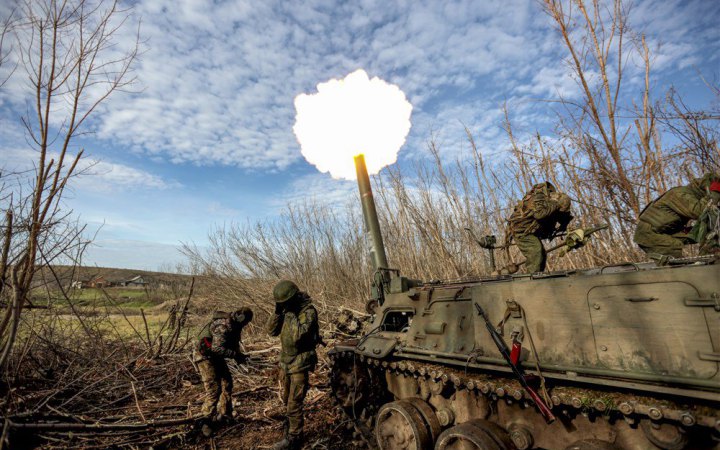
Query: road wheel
[(665, 436), (400, 426), (428, 415), (467, 436), (591, 444)]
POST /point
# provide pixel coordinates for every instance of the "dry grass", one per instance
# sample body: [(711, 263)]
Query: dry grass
[(613, 151), (423, 217), (101, 367)]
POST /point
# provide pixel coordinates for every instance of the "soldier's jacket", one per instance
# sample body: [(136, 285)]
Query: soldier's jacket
[(219, 338), (538, 213), (299, 334), (670, 213)]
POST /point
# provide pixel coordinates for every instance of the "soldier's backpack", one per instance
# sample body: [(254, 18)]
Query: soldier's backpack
[(522, 220), (204, 337)]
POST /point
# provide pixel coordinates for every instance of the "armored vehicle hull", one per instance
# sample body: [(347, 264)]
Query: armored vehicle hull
[(626, 357)]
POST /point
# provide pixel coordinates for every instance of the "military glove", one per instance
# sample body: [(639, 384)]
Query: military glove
[(574, 239), (241, 359)]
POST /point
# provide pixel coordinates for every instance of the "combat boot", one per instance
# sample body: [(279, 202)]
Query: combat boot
[(296, 442), (289, 443), (283, 444), (286, 429)]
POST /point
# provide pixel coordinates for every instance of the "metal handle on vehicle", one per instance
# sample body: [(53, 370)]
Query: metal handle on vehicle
[(641, 299), (637, 268), (714, 357), (713, 301)]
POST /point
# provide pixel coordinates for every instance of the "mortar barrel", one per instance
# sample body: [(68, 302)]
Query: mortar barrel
[(372, 224)]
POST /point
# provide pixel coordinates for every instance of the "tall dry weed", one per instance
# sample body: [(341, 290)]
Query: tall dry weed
[(612, 151)]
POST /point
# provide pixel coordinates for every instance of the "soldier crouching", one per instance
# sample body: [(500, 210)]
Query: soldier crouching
[(542, 213), (296, 322), (663, 226), (217, 340)]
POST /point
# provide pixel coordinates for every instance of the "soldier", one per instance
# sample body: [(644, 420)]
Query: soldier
[(296, 322), (217, 340), (661, 229), (541, 214)]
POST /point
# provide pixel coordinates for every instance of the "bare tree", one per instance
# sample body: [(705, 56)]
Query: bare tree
[(697, 131), (617, 135), (5, 29), (67, 50), (608, 157)]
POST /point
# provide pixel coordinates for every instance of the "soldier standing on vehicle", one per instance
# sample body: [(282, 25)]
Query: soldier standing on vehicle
[(543, 213), (217, 340), (663, 226), (296, 322)]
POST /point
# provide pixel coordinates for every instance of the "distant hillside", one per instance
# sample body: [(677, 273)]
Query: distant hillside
[(67, 274)]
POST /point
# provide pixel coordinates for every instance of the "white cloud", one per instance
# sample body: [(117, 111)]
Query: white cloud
[(551, 82), (219, 81), (94, 175), (217, 208), (108, 177), (319, 188), (219, 78)]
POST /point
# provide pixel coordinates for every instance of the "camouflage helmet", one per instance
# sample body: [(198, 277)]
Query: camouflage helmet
[(546, 187), (284, 291), (563, 201), (709, 183), (705, 181)]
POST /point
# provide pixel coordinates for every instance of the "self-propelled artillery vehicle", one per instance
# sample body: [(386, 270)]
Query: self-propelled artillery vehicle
[(617, 357)]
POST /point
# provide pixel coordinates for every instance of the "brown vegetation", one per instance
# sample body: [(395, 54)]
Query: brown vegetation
[(62, 51), (116, 378), (93, 378), (614, 149)]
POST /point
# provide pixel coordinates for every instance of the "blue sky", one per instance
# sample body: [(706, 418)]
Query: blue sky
[(207, 139)]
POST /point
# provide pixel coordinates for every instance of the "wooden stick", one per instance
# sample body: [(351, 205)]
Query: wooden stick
[(137, 403), (104, 426), (147, 330)]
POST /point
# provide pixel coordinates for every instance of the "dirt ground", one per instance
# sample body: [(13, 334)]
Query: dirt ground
[(259, 420), (136, 396), (258, 423)]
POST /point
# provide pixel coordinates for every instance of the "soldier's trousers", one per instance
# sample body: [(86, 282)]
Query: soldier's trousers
[(295, 388), (218, 387), (534, 252), (650, 241)]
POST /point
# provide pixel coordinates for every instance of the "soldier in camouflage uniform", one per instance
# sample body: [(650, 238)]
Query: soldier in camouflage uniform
[(542, 213), (217, 340), (661, 229), (296, 322)]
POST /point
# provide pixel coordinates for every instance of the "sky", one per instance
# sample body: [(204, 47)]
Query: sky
[(204, 137)]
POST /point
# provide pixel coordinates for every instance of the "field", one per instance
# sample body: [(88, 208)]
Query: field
[(112, 367), (124, 356)]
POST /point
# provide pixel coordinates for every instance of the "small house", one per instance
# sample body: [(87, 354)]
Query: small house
[(137, 281), (99, 282)]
